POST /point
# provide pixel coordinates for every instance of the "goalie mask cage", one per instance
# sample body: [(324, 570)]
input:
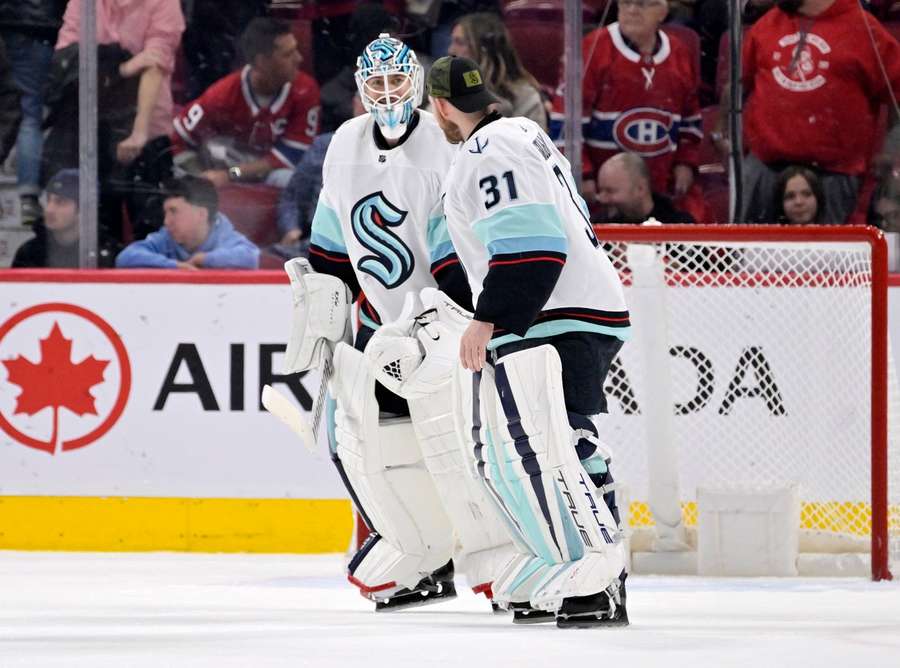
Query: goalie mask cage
[(759, 359)]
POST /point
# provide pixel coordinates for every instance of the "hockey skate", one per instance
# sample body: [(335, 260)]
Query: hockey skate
[(523, 613), (606, 609), (434, 588)]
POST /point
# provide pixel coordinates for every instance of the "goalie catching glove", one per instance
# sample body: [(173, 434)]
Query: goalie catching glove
[(415, 355), (321, 315)]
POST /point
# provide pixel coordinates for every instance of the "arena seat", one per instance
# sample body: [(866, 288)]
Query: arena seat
[(688, 38), (891, 14), (710, 160), (716, 193), (302, 30), (893, 26), (536, 28), (251, 208), (269, 260)]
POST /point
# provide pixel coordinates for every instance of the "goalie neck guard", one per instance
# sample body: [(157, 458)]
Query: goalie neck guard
[(390, 83)]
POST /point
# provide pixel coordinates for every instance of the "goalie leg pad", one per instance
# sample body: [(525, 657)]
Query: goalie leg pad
[(383, 466), (485, 545), (544, 485)]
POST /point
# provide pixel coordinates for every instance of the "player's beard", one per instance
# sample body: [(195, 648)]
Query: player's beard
[(450, 129)]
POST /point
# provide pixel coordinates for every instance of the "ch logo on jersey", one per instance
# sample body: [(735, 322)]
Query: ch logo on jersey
[(391, 261), (645, 131), (800, 63)]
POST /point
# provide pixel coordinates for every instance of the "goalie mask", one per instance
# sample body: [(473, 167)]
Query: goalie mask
[(390, 83)]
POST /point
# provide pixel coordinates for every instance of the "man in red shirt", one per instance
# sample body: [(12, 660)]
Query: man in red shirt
[(816, 73), (256, 123)]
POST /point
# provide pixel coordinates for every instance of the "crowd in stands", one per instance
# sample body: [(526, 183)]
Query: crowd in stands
[(215, 115)]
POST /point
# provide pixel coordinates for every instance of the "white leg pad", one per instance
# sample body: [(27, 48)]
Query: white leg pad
[(485, 545), (518, 580), (589, 575), (533, 463), (384, 464)]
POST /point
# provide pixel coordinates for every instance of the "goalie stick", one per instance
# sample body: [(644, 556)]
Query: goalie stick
[(282, 407)]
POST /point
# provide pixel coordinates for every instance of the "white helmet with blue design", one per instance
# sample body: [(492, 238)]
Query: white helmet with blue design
[(390, 82)]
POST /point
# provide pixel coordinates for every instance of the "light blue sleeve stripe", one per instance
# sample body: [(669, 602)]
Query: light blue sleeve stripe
[(326, 229), (437, 232), (519, 222), (528, 244), (438, 239), (557, 327), (438, 253)]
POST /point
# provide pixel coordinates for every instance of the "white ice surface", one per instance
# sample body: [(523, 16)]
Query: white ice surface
[(137, 610)]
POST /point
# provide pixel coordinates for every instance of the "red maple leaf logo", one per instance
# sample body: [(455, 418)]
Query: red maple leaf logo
[(55, 382)]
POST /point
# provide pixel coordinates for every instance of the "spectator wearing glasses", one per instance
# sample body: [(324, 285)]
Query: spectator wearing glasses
[(639, 94)]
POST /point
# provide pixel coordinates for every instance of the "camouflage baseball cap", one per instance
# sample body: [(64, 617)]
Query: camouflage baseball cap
[(459, 81)]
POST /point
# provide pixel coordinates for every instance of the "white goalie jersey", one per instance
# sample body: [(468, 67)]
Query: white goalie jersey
[(379, 214), (519, 225)]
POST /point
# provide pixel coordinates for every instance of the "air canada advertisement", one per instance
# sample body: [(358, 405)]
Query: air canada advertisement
[(152, 389)]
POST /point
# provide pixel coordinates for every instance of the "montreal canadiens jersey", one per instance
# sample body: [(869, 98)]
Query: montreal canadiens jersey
[(379, 214), (522, 234), (282, 130), (641, 104)]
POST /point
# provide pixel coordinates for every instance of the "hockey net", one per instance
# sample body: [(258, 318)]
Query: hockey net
[(759, 358)]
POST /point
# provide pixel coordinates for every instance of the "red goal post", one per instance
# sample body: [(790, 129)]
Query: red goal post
[(770, 274)]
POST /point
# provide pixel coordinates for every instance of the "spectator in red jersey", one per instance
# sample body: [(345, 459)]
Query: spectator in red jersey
[(640, 95), (256, 123), (813, 72), (798, 197)]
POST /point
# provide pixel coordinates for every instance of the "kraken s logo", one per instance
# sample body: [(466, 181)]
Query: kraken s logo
[(391, 261)]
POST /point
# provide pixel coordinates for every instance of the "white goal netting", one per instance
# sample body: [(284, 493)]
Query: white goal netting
[(751, 365)]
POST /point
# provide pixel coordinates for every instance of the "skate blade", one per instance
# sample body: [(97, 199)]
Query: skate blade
[(591, 622), (416, 599), (533, 617)]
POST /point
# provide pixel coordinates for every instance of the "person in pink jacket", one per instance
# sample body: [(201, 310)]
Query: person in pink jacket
[(151, 30)]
